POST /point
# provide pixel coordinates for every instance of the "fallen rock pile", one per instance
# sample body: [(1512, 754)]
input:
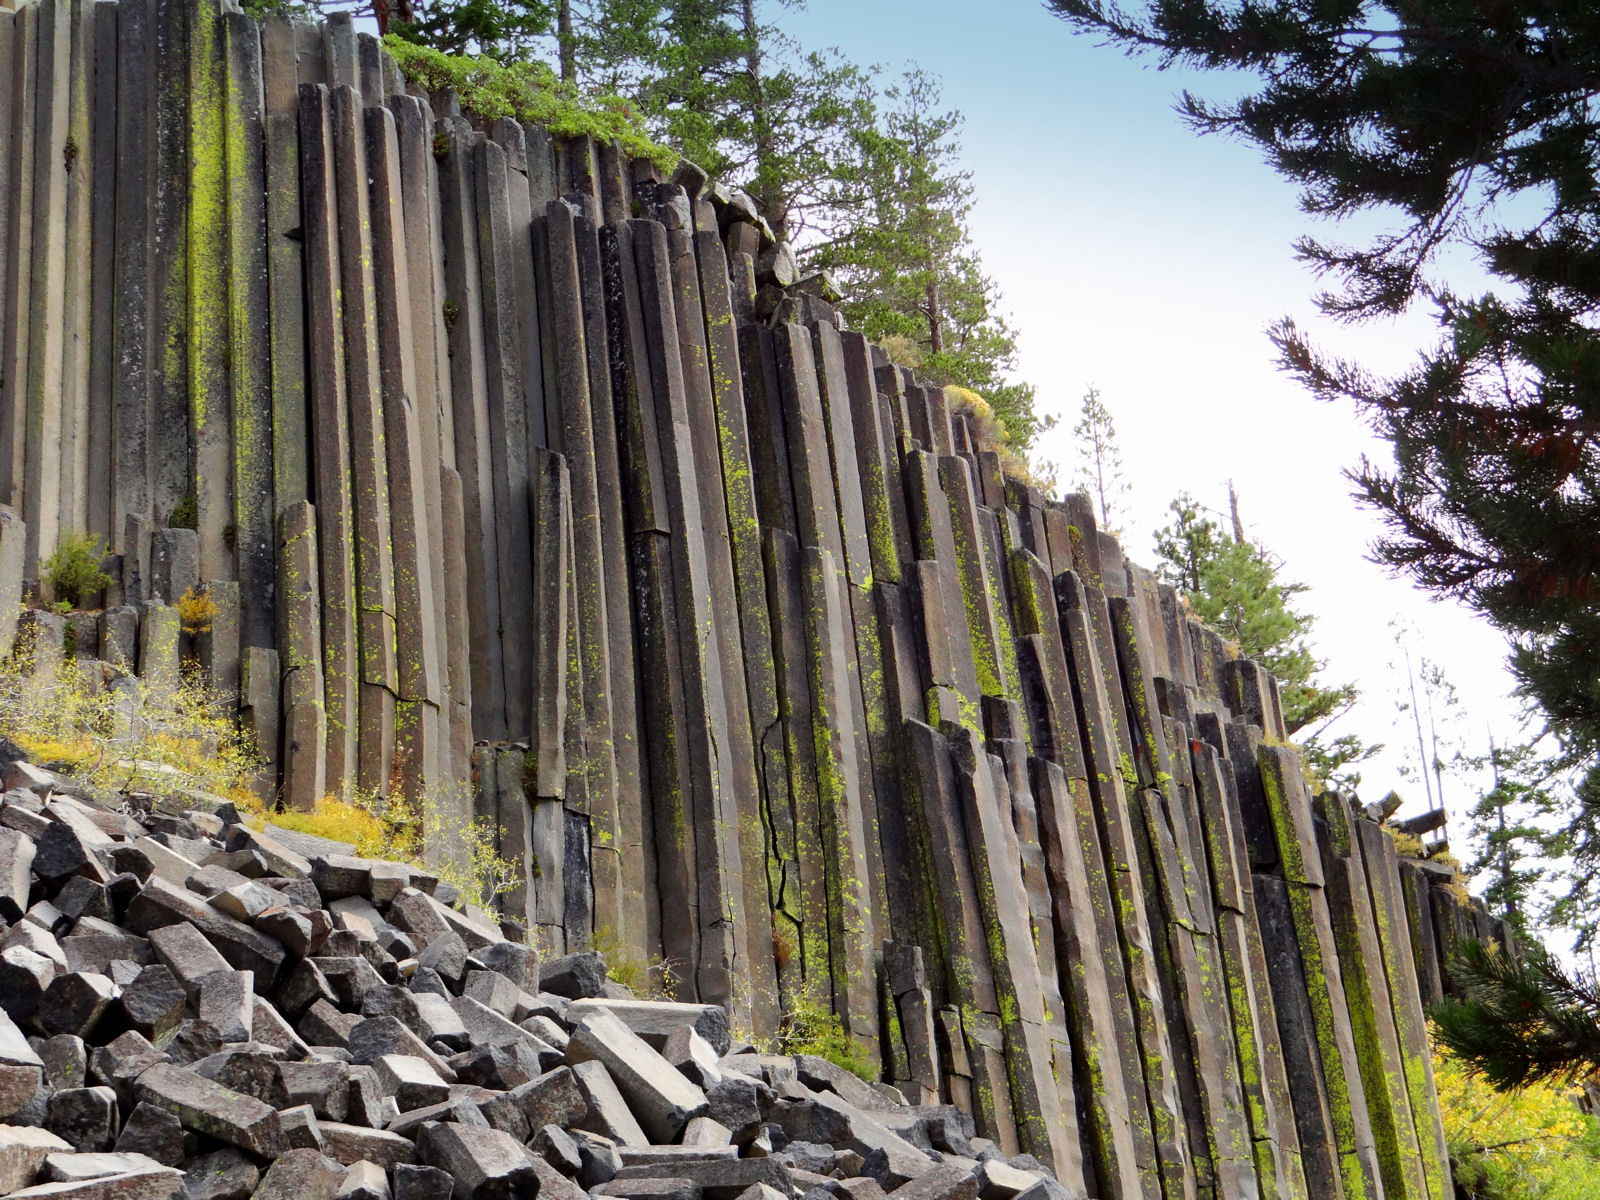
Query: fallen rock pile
[(193, 1008)]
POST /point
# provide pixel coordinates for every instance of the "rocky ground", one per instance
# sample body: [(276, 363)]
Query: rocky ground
[(197, 1009)]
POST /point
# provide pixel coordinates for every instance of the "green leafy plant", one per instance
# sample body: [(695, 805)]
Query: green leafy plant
[(809, 1028), (73, 571)]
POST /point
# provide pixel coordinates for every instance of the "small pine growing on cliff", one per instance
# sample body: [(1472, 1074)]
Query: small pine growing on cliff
[(1100, 460), (1236, 586)]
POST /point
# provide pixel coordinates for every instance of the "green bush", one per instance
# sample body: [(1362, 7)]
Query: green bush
[(73, 571), (528, 91), (808, 1028)]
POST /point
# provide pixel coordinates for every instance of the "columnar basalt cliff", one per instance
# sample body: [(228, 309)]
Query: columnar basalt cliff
[(529, 480)]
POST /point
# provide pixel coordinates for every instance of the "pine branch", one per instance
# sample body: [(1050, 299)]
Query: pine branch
[(1520, 1022)]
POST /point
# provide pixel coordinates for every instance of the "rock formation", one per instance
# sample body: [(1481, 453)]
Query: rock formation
[(527, 481)]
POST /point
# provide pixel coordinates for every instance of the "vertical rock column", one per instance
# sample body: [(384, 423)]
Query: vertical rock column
[(250, 324), (592, 797), (21, 81), (1261, 1072), (1388, 907), (367, 468), (720, 932), (78, 167), (103, 243), (1312, 930), (1366, 990), (757, 690), (505, 427), (47, 267), (415, 542), (418, 181), (284, 241), (462, 307), (619, 919), (131, 281), (330, 426)]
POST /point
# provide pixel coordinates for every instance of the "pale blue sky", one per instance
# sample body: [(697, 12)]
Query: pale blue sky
[(1148, 261)]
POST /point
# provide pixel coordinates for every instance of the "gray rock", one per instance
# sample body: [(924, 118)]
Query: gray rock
[(154, 1001), (223, 1175), (211, 1109), (301, 1174), (153, 1132), (413, 1182), (574, 976), (660, 1098), (23, 1150), (485, 1163), (86, 1118)]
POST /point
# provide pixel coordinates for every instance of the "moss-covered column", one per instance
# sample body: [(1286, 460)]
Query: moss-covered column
[(1389, 916), (748, 579), (208, 253), (1261, 1072), (250, 319), (1110, 772), (369, 476), (1366, 991), (1290, 807)]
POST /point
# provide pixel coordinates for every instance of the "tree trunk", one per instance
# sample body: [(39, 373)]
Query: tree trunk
[(569, 51), (935, 318), (773, 206)]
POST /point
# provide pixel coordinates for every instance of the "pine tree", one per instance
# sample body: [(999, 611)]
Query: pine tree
[(1470, 129), (508, 31), (905, 260), (1237, 588), (729, 89), (1520, 1020), (1513, 847), (1100, 459)]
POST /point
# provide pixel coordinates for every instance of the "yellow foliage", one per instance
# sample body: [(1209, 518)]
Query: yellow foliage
[(1529, 1145), (151, 739), (392, 828), (965, 400), (196, 611)]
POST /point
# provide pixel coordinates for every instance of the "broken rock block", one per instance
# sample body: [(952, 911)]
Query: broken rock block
[(485, 1163), (23, 1150), (659, 1096), (301, 1174), (209, 1108)]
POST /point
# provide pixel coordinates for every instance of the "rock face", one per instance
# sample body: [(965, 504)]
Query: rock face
[(540, 484)]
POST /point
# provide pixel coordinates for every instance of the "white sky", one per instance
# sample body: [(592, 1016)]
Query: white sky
[(1149, 262)]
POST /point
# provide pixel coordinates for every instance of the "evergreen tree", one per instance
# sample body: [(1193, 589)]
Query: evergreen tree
[(1520, 1020), (1236, 587), (904, 257), (1473, 128), (507, 31), (1100, 459), (738, 97), (1512, 847)]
